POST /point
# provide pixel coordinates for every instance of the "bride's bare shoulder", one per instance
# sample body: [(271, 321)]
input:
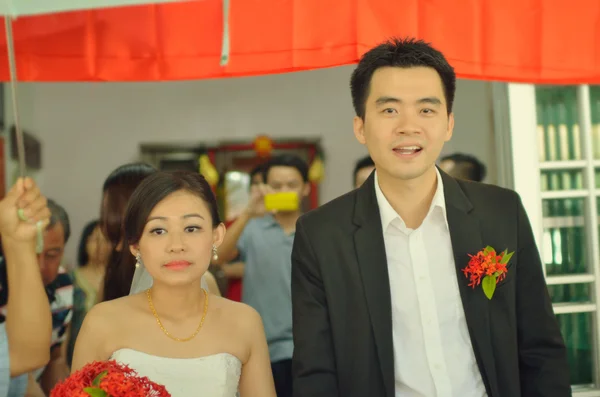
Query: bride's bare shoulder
[(102, 330), (238, 315), (113, 310)]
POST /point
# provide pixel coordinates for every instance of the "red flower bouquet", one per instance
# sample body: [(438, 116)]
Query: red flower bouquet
[(487, 267), (108, 379)]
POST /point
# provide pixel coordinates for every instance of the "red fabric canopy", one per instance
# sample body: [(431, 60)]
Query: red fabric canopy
[(537, 41)]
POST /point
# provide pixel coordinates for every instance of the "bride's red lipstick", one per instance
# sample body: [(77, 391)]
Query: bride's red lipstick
[(178, 265)]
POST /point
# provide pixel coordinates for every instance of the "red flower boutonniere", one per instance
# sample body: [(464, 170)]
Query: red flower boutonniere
[(489, 266)]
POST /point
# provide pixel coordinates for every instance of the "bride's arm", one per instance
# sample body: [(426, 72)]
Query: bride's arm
[(257, 378), (91, 338)]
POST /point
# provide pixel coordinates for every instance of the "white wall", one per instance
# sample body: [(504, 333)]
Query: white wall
[(89, 129), (474, 126), (25, 97)]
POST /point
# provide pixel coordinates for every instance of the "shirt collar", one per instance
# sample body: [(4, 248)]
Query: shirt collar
[(268, 221), (389, 215)]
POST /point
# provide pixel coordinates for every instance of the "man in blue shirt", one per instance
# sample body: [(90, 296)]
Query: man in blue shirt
[(264, 242)]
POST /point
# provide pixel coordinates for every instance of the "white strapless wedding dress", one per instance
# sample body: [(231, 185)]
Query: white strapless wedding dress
[(216, 375)]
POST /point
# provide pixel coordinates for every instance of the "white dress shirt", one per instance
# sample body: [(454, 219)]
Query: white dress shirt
[(433, 355)]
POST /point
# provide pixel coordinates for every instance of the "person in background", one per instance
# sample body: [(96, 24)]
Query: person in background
[(117, 189), (59, 288), (264, 242), (92, 257), (59, 292), (463, 166), (363, 168), (257, 175), (234, 271), (24, 336)]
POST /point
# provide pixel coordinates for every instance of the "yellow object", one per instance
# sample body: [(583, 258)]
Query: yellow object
[(316, 172), (285, 201), (207, 170)]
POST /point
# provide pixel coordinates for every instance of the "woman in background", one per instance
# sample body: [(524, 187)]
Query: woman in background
[(92, 258), (117, 190)]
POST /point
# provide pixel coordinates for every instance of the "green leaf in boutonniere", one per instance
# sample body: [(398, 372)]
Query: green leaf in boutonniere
[(95, 392), (489, 286)]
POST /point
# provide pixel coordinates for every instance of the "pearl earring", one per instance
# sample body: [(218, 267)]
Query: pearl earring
[(214, 252), (138, 260)]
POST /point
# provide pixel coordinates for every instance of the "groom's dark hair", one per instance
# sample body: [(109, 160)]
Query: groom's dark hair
[(400, 53)]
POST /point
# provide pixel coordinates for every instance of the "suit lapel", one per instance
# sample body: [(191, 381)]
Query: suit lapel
[(465, 234), (372, 261)]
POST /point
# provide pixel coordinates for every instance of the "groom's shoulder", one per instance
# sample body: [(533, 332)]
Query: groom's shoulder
[(486, 195), (485, 189), (338, 211)]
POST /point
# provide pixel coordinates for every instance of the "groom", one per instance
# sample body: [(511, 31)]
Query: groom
[(381, 306)]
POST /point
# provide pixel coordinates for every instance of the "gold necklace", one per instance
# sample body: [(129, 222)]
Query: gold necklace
[(167, 332)]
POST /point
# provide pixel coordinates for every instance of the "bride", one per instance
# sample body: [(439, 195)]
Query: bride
[(175, 332)]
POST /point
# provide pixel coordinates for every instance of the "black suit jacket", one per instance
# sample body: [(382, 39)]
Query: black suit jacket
[(342, 304)]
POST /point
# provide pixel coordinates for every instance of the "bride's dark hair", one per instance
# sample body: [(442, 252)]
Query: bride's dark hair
[(156, 188)]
